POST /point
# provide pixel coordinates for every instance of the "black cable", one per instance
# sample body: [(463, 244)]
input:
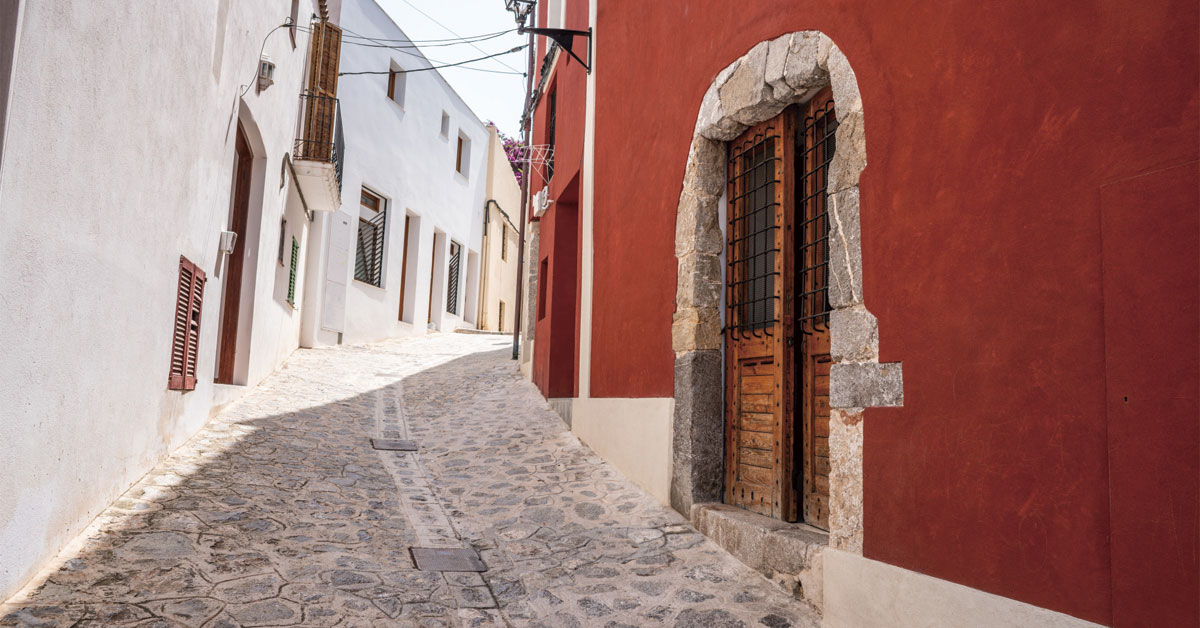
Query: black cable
[(421, 41), (422, 57), (447, 65), (377, 43), (451, 31)]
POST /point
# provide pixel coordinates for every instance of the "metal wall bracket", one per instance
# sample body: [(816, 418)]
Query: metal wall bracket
[(565, 38)]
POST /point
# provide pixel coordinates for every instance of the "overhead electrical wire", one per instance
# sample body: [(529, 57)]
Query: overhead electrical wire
[(436, 63), (446, 65), (451, 31), (408, 43), (423, 41)]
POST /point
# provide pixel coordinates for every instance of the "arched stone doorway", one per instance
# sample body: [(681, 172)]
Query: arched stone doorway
[(756, 87)]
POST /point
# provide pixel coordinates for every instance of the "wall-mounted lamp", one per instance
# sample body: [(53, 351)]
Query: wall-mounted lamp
[(228, 242), (266, 72), (519, 8)]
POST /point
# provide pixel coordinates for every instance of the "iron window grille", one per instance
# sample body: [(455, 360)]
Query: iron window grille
[(368, 258), (322, 138), (452, 280), (815, 144), (291, 295), (753, 245)]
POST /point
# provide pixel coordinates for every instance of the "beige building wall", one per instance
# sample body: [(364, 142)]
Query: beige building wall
[(498, 290)]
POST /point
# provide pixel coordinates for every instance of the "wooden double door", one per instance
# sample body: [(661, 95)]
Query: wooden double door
[(777, 315)]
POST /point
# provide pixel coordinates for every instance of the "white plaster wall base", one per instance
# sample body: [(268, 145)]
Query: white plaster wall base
[(632, 434), (865, 593)]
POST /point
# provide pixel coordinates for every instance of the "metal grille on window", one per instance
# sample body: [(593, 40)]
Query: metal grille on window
[(291, 297), (452, 280), (816, 146), (753, 246), (368, 259)]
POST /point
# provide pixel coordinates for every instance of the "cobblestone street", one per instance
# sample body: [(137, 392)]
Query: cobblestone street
[(280, 512)]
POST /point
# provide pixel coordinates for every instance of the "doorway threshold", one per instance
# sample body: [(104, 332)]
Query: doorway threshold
[(788, 554)]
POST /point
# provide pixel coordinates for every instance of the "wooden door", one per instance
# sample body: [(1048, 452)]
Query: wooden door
[(432, 268), (816, 145), (231, 301), (758, 432), (404, 266)]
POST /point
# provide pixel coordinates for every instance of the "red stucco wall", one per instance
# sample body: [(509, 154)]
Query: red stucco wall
[(556, 337), (991, 129)]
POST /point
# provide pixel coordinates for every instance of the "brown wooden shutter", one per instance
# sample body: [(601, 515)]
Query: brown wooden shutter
[(323, 59), (321, 106), (185, 349)]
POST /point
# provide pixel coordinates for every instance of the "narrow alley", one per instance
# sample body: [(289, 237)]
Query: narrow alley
[(280, 512)]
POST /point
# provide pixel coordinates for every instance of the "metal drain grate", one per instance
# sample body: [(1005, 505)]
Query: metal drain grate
[(394, 444), (447, 559)]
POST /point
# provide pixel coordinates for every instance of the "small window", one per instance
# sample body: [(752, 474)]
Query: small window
[(452, 278), (462, 159), (368, 256), (445, 124), (395, 87), (185, 350), (370, 201), (291, 298), (503, 242), (500, 327)]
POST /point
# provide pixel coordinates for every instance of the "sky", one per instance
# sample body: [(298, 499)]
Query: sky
[(494, 97)]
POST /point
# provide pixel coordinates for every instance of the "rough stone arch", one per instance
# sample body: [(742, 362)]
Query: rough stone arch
[(754, 88)]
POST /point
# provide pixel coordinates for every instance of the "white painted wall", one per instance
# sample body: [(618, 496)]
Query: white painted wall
[(398, 152), (118, 159)]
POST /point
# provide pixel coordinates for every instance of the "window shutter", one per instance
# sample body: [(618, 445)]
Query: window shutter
[(185, 342), (323, 59), (377, 261), (452, 281), (292, 273), (321, 98)]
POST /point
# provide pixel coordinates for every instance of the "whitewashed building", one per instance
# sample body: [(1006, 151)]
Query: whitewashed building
[(128, 316), (501, 239), (401, 256)]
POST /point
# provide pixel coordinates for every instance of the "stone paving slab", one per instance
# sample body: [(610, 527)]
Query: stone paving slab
[(280, 513)]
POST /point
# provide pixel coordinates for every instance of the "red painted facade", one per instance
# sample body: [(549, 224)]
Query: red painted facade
[(1030, 248), (556, 344)]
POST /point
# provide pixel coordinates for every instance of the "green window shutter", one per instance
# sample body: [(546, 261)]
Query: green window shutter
[(292, 273)]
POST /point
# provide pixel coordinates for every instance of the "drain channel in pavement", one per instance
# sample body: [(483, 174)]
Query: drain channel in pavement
[(447, 559), (393, 444)]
